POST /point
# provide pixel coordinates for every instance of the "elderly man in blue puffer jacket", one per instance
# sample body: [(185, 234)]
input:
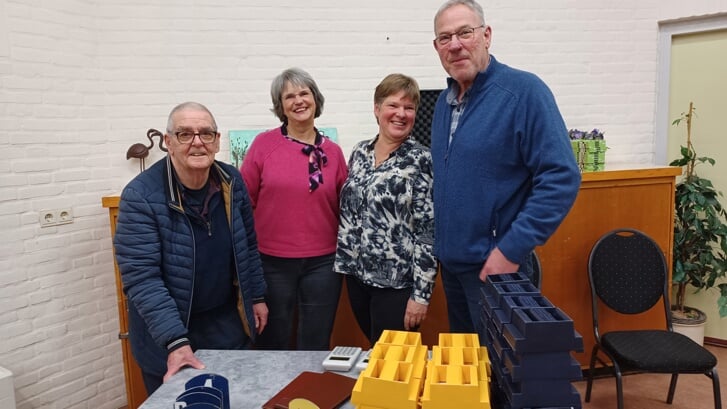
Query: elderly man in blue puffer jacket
[(186, 247)]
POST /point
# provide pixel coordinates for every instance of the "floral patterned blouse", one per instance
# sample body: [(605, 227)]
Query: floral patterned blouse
[(386, 224)]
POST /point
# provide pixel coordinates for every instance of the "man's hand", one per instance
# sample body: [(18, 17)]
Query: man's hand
[(260, 311), (179, 358), (414, 315), (497, 263)]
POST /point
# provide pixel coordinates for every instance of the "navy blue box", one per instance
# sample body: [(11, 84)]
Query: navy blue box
[(492, 283), (551, 365), (497, 343), (488, 304), (511, 302), (500, 290), (508, 277), (544, 393), (541, 330)]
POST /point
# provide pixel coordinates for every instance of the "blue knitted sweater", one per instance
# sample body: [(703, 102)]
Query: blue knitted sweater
[(508, 177)]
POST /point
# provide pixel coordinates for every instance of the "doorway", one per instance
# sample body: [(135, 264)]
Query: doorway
[(692, 63)]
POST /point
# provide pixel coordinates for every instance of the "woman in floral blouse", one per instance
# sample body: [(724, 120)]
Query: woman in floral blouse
[(386, 222)]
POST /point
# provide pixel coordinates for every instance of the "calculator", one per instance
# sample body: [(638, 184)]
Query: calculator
[(341, 358)]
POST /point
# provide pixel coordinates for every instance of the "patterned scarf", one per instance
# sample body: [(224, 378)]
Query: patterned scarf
[(316, 158)]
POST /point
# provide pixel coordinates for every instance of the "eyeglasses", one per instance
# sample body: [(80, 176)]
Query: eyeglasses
[(464, 34), (205, 135)]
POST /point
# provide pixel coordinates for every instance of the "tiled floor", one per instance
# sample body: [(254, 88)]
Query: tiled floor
[(648, 391)]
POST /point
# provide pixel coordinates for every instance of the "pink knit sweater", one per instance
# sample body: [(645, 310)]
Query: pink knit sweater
[(290, 220)]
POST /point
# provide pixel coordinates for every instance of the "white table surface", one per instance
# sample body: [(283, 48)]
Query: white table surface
[(254, 376)]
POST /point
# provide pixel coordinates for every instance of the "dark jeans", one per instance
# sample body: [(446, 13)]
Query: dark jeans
[(463, 293), (308, 285), (377, 309), (464, 304)]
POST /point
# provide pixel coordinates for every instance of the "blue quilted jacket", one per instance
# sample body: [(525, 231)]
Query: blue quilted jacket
[(155, 248)]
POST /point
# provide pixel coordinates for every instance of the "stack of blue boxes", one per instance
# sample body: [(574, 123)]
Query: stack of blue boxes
[(529, 342)]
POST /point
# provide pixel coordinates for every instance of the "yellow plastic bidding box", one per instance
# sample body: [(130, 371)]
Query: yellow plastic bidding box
[(399, 376)]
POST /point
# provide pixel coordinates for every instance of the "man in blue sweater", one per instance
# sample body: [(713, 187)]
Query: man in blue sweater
[(504, 172)]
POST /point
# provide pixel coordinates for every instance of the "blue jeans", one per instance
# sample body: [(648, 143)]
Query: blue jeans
[(464, 299), (464, 310), (308, 287)]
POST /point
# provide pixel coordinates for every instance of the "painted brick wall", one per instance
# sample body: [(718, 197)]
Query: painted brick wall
[(81, 80)]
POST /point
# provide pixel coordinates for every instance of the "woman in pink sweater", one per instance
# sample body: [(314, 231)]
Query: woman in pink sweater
[(294, 175)]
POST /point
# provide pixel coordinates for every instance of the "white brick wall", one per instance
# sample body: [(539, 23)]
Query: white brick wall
[(81, 80)]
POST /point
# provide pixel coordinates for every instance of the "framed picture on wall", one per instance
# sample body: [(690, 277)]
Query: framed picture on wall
[(240, 141)]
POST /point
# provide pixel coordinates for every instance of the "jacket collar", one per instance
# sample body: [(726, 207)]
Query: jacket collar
[(480, 80), (172, 183)]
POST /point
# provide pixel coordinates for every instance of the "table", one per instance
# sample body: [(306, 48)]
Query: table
[(254, 376)]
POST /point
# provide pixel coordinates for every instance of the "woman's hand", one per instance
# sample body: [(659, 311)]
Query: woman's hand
[(414, 315)]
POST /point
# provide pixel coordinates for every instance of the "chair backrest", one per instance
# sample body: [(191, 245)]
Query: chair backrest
[(533, 270), (628, 272)]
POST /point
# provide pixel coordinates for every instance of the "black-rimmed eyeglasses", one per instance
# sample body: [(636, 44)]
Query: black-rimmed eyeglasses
[(205, 135)]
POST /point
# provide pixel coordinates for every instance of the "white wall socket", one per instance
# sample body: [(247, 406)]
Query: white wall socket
[(54, 217)]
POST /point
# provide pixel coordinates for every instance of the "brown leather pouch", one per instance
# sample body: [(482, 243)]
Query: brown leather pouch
[(327, 390)]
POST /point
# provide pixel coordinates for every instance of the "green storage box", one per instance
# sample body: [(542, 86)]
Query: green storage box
[(590, 154)]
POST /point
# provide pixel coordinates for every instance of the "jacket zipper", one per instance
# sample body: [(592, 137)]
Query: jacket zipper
[(194, 272)]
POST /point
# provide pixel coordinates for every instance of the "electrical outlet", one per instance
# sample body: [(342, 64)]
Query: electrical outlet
[(54, 217), (47, 218), (65, 216)]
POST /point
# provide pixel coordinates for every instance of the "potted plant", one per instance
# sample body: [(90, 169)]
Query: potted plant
[(700, 232)]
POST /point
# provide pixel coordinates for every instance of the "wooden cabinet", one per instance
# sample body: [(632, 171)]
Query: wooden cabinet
[(642, 199), (638, 198), (135, 390)]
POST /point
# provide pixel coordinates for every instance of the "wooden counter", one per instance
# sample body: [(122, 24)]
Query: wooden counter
[(637, 198)]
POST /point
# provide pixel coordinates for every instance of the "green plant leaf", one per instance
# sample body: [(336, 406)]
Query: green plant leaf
[(700, 232), (722, 300)]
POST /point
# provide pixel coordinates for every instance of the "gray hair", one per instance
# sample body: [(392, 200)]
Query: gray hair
[(471, 4), (294, 76), (192, 106)]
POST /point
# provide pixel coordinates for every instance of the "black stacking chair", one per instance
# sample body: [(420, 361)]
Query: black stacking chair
[(537, 276), (628, 273), (532, 269)]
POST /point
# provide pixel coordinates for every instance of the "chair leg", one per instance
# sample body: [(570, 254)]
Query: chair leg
[(715, 386), (619, 388), (672, 388), (591, 370)]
